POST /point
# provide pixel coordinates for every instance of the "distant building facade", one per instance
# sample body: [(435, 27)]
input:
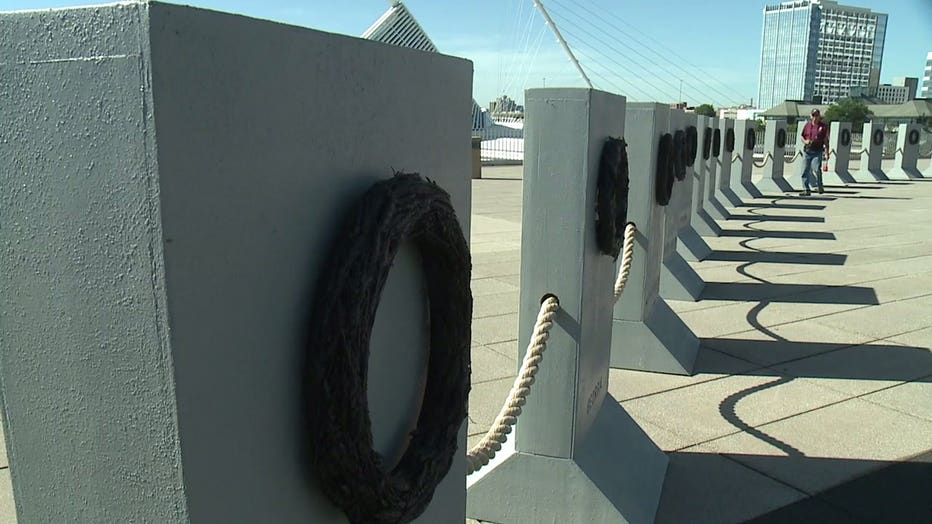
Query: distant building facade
[(902, 90), (818, 49), (927, 78), (504, 104)]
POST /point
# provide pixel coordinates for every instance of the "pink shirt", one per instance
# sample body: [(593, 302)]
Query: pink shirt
[(817, 133)]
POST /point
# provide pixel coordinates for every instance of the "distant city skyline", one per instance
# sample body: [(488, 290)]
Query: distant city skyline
[(716, 41), (819, 50)]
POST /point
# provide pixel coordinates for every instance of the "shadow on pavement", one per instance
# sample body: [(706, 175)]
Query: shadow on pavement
[(801, 235), (728, 488), (747, 292), (776, 257), (773, 218)]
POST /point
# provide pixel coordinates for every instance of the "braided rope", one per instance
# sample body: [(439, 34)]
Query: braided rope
[(792, 158), (485, 450), (627, 257), (763, 162)]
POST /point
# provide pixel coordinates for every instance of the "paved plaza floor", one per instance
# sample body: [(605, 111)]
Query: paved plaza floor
[(813, 378), (812, 399)]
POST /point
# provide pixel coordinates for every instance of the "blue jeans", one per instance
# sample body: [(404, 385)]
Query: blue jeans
[(812, 168)]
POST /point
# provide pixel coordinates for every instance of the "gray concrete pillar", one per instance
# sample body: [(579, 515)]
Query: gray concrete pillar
[(840, 154), (575, 455), (775, 139), (745, 134), (647, 334), (701, 221), (177, 179), (714, 206), (691, 245), (726, 162), (678, 281), (907, 153), (871, 154)]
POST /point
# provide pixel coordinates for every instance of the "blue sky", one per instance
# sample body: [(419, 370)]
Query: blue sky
[(708, 50)]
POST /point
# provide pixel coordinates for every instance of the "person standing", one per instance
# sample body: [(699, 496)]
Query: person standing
[(815, 146)]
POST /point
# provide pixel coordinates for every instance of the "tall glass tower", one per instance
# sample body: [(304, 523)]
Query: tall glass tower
[(812, 48), (927, 78)]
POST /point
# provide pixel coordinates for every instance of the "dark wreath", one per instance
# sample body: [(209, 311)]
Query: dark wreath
[(692, 144), (339, 429), (611, 213), (664, 185)]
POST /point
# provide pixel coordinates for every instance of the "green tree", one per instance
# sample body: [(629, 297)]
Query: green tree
[(848, 110), (706, 109)]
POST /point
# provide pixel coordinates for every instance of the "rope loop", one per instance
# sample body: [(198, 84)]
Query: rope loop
[(491, 443), (627, 256)]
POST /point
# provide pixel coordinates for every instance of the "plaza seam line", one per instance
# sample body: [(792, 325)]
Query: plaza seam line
[(855, 308), (729, 456), (760, 367), (891, 408), (805, 412)]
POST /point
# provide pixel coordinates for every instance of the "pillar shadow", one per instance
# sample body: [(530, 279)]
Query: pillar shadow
[(812, 207), (874, 361), (777, 218), (785, 257), (801, 235), (734, 487), (759, 292)]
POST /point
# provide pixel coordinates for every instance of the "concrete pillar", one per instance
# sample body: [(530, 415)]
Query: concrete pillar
[(741, 185), (726, 161), (575, 455), (871, 154), (907, 153), (840, 149), (713, 205), (701, 221), (691, 245), (647, 334), (678, 280), (177, 179), (775, 139)]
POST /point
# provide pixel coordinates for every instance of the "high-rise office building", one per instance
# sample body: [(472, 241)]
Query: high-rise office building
[(818, 49), (927, 78)]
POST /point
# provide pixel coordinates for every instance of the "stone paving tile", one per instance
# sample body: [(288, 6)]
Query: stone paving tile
[(743, 316), (485, 401), (498, 257), (4, 460), (885, 320), (490, 286), (914, 398), (710, 488), (784, 343), (626, 384), (507, 349), (825, 447), (490, 330), (921, 338), (488, 364), (494, 305), (489, 247), (863, 369), (495, 269), (717, 408), (7, 511)]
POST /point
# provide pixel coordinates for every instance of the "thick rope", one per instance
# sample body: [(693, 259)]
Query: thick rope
[(792, 158), (763, 162), (485, 450), (627, 256)]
